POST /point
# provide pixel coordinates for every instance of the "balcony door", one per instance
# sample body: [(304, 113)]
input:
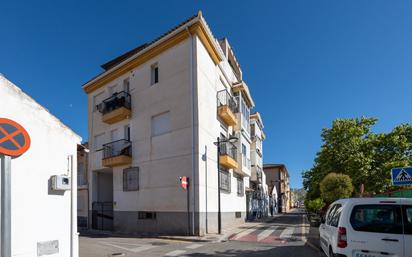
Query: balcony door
[(115, 135)]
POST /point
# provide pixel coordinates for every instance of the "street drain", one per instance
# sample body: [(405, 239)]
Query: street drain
[(116, 254)]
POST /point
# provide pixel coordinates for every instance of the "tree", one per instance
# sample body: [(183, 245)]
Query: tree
[(314, 205), (351, 148), (335, 186)]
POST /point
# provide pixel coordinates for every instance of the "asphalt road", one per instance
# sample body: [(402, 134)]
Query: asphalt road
[(283, 236)]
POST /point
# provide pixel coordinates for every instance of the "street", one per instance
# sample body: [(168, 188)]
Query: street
[(282, 236)]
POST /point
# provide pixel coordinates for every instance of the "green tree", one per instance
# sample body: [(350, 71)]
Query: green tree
[(314, 205), (335, 186), (351, 148)]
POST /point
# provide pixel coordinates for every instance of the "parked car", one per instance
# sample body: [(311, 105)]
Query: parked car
[(367, 227)]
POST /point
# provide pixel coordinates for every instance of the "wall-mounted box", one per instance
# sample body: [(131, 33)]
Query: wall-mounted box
[(61, 182)]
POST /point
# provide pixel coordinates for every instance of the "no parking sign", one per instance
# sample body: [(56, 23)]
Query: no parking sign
[(14, 141)]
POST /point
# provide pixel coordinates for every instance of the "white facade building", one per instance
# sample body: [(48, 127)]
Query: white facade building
[(154, 116), (43, 220)]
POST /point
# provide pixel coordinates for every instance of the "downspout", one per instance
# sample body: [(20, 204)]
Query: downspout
[(73, 210), (193, 102)]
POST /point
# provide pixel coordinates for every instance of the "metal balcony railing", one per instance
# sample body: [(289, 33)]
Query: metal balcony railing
[(224, 98), (228, 148), (116, 101), (117, 148)]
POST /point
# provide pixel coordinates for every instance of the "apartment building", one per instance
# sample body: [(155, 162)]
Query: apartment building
[(277, 176), (258, 200), (155, 114)]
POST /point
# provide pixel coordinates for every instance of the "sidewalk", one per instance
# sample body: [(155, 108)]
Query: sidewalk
[(226, 233), (214, 238)]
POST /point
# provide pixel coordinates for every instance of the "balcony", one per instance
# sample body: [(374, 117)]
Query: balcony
[(226, 107), (227, 155), (116, 108), (117, 153)]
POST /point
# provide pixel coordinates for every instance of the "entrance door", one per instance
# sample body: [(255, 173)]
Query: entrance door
[(102, 206)]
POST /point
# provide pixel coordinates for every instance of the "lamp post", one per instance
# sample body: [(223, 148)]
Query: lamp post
[(231, 139)]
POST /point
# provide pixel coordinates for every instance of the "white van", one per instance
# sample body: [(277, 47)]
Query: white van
[(368, 227)]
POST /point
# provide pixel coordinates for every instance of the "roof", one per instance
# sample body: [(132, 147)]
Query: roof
[(128, 54), (141, 54), (119, 59), (276, 165)]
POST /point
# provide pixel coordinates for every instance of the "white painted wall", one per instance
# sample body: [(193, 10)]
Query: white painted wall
[(38, 215)]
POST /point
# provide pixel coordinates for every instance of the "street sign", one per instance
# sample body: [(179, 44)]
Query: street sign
[(14, 139), (401, 176), (184, 183)]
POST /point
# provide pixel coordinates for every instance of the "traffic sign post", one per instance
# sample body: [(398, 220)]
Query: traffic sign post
[(401, 176), (184, 183), (14, 141)]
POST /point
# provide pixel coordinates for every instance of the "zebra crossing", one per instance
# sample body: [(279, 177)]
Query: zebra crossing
[(268, 235)]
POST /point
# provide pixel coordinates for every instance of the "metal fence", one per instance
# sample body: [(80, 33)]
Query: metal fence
[(117, 148), (116, 101), (228, 148), (224, 98)]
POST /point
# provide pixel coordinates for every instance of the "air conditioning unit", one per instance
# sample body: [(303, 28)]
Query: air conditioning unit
[(61, 182)]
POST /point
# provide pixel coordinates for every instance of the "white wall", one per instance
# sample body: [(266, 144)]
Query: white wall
[(37, 214), (209, 78)]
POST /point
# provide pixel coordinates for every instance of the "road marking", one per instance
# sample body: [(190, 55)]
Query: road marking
[(244, 233), (287, 233), (139, 248), (175, 253), (193, 246), (265, 233)]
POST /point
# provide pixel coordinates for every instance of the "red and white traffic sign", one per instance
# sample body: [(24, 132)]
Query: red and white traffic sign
[(14, 139), (184, 182)]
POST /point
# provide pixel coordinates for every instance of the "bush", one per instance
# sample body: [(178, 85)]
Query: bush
[(335, 186), (314, 205)]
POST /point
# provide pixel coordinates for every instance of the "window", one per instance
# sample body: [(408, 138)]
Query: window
[(161, 124), (154, 73), (377, 219), (126, 85), (97, 101), (408, 219), (238, 214), (131, 179), (112, 89), (224, 180), (146, 215), (334, 220), (98, 142), (240, 187), (127, 132)]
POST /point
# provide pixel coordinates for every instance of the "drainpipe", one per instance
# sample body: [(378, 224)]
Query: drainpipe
[(73, 210), (193, 102)]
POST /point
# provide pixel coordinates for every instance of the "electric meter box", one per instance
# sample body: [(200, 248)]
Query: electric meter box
[(61, 182)]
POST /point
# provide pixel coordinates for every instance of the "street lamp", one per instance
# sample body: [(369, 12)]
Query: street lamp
[(231, 139)]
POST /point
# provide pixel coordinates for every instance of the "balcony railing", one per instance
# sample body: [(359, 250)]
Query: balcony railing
[(227, 155), (117, 153), (116, 101), (225, 99), (116, 108), (228, 148), (226, 107)]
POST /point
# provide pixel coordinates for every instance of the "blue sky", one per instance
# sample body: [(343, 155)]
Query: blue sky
[(306, 62)]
